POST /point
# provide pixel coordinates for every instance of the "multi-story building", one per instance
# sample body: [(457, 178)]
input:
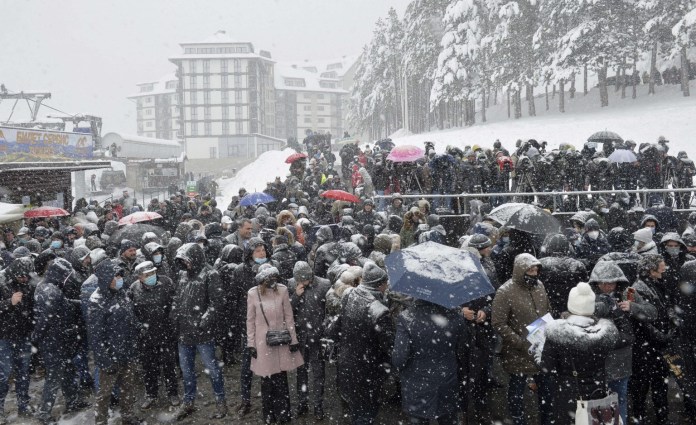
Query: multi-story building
[(312, 96), (157, 108), (226, 98)]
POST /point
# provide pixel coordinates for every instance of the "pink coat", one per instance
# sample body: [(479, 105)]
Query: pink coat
[(276, 305)]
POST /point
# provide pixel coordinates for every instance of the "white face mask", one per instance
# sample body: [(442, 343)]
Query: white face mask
[(593, 234)]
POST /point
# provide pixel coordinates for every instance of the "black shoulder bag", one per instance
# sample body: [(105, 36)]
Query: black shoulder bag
[(274, 338)]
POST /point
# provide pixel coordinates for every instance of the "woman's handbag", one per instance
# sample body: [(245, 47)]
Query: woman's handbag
[(603, 411), (274, 338)]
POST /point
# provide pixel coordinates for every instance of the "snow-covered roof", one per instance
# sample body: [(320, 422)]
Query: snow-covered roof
[(141, 139), (286, 73), (159, 87), (220, 37), (220, 56), (339, 65)]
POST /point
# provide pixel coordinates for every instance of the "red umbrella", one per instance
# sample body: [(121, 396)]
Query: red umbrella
[(139, 217), (406, 153), (340, 195), (45, 212), (294, 157)]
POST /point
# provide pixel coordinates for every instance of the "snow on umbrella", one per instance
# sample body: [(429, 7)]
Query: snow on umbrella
[(406, 153), (385, 144), (294, 157), (134, 233), (622, 155), (139, 217), (604, 136), (340, 195), (437, 273), (525, 218), (42, 212), (256, 198)]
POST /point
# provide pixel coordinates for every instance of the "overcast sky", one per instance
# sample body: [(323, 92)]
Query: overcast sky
[(90, 54)]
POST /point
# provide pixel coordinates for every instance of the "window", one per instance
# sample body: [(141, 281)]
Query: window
[(320, 96), (308, 120), (206, 113), (232, 150), (295, 82), (237, 81), (225, 112), (206, 97), (194, 113), (194, 98), (308, 107), (146, 88), (206, 66), (237, 65), (206, 81), (239, 127), (320, 108), (189, 50), (337, 65), (225, 127), (238, 112), (327, 84), (192, 82), (224, 97), (238, 96), (148, 111), (148, 124), (148, 99), (194, 129), (223, 65), (307, 96), (171, 84), (213, 152), (223, 81), (320, 120), (207, 128), (193, 67)]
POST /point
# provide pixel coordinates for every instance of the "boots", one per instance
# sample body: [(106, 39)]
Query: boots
[(220, 410), (185, 409)]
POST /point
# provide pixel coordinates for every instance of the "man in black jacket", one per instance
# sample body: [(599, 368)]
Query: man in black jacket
[(16, 324), (198, 300), (308, 299), (366, 334), (152, 297)]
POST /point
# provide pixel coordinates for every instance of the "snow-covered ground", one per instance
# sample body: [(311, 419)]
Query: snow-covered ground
[(644, 119)]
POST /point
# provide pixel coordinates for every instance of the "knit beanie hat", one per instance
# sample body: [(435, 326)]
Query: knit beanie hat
[(643, 235), (302, 271), (581, 300), (373, 275)]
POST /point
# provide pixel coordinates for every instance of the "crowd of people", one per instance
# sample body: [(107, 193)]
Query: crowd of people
[(300, 283)]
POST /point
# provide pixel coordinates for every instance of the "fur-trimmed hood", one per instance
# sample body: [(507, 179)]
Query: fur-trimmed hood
[(582, 333)]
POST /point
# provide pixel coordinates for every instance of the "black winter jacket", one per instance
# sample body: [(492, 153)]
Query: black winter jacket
[(16, 321)]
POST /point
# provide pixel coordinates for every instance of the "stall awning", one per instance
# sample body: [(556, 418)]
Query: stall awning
[(69, 166)]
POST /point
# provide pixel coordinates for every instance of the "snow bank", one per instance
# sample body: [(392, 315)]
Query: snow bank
[(254, 176)]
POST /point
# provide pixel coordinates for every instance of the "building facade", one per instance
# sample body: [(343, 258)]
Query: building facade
[(226, 95), (158, 108)]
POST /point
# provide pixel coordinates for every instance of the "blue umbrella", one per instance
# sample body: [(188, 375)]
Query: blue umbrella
[(437, 273), (255, 199)]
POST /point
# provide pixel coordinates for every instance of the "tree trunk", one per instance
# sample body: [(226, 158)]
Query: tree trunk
[(547, 96), (484, 95), (530, 100), (561, 96), (653, 68), (472, 112), (518, 103), (495, 95), (572, 86), (603, 92), (623, 79), (684, 72), (508, 102), (441, 117), (553, 94), (634, 80), (617, 81), (584, 78)]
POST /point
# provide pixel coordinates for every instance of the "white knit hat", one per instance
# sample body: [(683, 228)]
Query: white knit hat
[(643, 235), (581, 300)]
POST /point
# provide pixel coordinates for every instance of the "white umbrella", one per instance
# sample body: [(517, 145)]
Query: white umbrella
[(11, 212), (622, 155)]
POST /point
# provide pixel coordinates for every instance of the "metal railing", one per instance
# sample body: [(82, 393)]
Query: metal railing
[(556, 196)]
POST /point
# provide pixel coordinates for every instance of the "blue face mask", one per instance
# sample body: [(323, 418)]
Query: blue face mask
[(56, 244), (151, 280), (260, 260), (157, 259), (119, 283)]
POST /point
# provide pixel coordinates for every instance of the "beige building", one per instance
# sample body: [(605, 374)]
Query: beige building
[(226, 99), (157, 108)]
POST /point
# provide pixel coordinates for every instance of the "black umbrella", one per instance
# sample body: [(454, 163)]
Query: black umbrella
[(604, 136), (525, 218), (134, 233)]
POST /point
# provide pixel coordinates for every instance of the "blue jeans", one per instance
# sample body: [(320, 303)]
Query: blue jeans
[(187, 360), (15, 355), (620, 387), (516, 389)]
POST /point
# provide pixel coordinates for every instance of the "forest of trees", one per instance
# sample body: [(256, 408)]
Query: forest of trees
[(446, 61)]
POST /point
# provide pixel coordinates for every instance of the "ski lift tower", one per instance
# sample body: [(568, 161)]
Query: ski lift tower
[(35, 97)]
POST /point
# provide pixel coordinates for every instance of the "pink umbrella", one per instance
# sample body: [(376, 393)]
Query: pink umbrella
[(139, 217), (406, 153)]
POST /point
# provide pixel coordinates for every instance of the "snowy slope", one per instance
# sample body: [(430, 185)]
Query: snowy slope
[(643, 119)]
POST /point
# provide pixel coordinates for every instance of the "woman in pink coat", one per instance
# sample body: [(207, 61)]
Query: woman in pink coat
[(271, 300)]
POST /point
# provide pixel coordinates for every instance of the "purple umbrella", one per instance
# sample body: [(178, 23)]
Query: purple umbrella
[(406, 153)]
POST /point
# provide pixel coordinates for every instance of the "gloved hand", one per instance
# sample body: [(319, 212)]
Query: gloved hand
[(253, 352), (294, 347)]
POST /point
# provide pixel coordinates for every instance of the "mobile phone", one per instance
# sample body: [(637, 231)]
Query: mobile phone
[(631, 295)]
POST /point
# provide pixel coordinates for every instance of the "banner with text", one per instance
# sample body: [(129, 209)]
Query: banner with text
[(30, 145)]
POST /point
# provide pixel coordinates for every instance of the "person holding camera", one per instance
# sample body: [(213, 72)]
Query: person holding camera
[(272, 342)]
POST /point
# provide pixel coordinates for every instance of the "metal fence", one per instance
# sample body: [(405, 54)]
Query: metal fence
[(556, 196)]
